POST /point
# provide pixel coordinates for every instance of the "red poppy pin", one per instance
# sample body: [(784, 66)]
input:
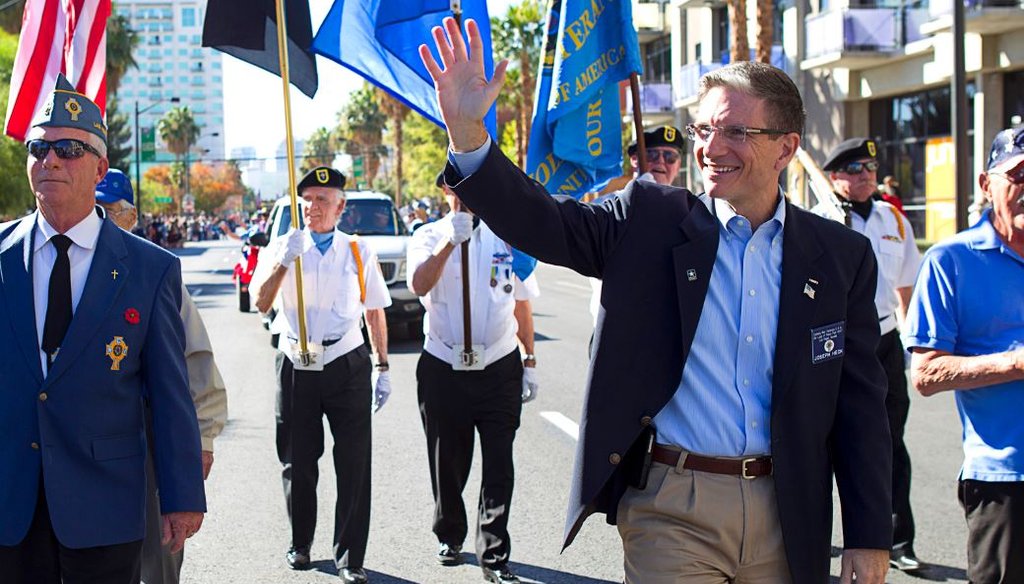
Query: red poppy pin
[(132, 316)]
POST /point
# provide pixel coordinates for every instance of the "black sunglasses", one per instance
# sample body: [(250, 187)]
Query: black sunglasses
[(858, 167), (669, 156), (66, 149)]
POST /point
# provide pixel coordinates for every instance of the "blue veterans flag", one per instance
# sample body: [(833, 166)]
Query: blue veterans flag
[(381, 43), (575, 140)]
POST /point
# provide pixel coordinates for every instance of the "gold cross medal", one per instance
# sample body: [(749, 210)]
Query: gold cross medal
[(117, 350)]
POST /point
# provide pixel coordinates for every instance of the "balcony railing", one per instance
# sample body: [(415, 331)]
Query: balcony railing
[(688, 80), (937, 8), (654, 97), (852, 29)]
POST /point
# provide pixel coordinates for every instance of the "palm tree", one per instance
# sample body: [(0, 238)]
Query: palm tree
[(396, 112), (361, 125), (121, 43), (519, 35), (179, 131), (740, 46), (318, 151), (765, 32)]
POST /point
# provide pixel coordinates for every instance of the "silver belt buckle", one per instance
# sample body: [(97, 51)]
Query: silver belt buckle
[(743, 472)]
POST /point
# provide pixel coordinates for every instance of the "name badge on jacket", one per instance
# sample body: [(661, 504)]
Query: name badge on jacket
[(828, 342)]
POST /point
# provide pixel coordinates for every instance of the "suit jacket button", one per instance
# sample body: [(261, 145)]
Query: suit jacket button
[(646, 421), (42, 396), (614, 458), (35, 446)]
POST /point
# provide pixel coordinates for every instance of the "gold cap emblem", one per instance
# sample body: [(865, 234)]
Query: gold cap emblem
[(322, 176), (871, 149), (670, 134), (74, 108)]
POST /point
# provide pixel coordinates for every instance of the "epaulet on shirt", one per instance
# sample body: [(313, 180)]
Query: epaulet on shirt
[(353, 244), (899, 220)]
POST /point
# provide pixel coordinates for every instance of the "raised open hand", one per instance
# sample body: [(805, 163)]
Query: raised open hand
[(463, 91)]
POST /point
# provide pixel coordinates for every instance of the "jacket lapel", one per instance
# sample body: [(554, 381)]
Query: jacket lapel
[(693, 262), (802, 282), (16, 280), (101, 291)]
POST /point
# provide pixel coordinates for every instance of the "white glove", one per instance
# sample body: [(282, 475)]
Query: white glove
[(530, 385), (295, 245), (462, 228), (381, 390)]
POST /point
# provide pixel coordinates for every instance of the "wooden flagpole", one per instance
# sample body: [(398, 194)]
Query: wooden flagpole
[(467, 324), (282, 55), (638, 124)]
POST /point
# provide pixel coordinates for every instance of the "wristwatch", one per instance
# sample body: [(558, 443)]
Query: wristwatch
[(530, 357), (383, 366)]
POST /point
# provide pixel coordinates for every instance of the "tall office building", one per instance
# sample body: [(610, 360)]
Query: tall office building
[(173, 64)]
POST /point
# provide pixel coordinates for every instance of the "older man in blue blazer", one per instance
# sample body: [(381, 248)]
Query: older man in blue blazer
[(89, 329)]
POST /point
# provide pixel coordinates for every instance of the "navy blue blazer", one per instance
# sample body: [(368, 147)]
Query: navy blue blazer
[(81, 428), (826, 418)]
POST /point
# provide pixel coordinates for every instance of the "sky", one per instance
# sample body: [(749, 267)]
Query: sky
[(253, 98)]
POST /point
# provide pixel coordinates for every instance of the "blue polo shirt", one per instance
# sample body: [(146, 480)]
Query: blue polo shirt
[(968, 301)]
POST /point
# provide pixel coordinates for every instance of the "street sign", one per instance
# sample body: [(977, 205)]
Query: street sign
[(357, 168), (148, 144), (167, 200)]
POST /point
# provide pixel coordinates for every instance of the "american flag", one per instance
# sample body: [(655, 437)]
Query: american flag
[(57, 36)]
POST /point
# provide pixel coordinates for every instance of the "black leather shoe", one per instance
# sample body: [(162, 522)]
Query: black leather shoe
[(903, 559), (298, 558), (449, 555), (353, 576), (500, 575)]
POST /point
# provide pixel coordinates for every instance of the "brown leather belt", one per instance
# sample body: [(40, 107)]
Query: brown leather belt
[(748, 468)]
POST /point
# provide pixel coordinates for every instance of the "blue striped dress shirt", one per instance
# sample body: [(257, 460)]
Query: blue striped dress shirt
[(723, 404)]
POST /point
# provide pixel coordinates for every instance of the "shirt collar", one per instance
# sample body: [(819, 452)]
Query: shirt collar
[(84, 234), (725, 212), (983, 235)]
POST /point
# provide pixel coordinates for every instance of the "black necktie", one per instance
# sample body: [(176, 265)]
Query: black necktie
[(58, 300)]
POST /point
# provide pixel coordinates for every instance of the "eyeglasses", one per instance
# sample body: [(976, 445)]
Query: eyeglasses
[(859, 167), (669, 156), (66, 149), (736, 134), (1015, 176)]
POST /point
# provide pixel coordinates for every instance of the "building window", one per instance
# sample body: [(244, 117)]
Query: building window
[(182, 52), (182, 38), (1013, 99), (658, 61), (188, 17)]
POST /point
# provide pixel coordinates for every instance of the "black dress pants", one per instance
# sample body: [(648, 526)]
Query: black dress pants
[(41, 559), (897, 405), (341, 392), (995, 531), (454, 405)]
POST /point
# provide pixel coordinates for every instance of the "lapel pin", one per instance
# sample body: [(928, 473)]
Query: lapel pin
[(809, 291), (691, 275), (114, 274), (812, 281)]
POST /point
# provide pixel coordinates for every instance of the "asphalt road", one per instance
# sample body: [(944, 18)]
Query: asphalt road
[(246, 532)]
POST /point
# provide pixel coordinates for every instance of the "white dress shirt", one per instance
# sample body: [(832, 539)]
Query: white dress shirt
[(330, 287), (492, 307), (892, 239), (84, 236)]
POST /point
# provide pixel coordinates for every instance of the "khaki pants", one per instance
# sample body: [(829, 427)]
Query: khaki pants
[(702, 528)]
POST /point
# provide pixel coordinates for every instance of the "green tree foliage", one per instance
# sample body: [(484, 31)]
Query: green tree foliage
[(360, 128), (15, 193), (426, 147), (319, 150), (396, 113), (518, 36), (121, 42), (179, 130), (119, 137)]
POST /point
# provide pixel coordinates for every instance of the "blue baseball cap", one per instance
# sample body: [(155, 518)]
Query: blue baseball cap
[(115, 187), (1007, 150)]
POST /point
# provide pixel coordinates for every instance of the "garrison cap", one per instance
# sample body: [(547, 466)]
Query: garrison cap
[(322, 176), (66, 108), (660, 136), (1007, 150), (849, 151), (115, 187)]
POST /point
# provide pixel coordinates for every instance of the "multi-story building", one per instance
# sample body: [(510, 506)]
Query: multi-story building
[(173, 70), (878, 68)]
